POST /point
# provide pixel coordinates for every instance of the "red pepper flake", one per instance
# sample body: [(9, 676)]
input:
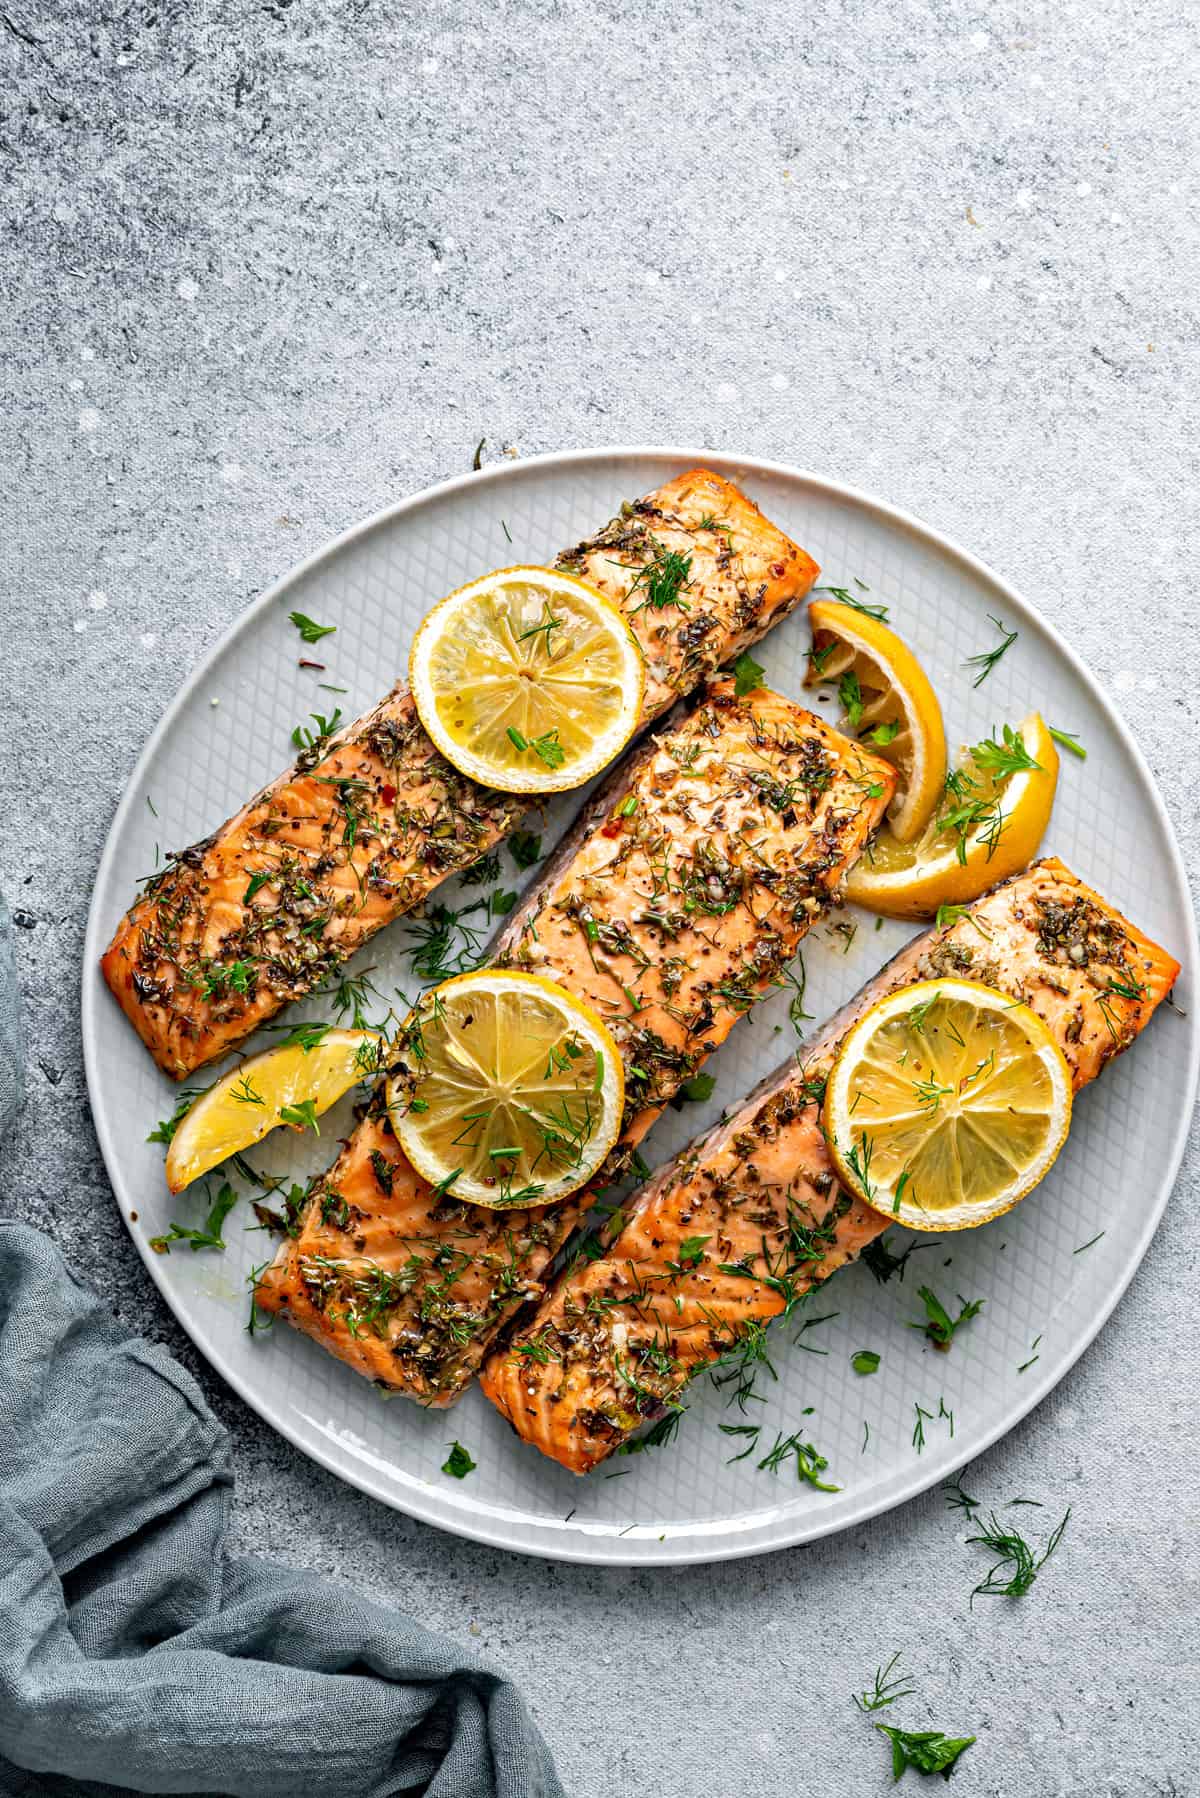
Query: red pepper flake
[(306, 664), (778, 569), (388, 795)]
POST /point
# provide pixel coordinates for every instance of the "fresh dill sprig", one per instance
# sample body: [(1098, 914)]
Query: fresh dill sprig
[(988, 658), (878, 1258), (549, 624), (1018, 1566), (922, 1418), (859, 1162), (1010, 756), (750, 1430), (844, 597), (657, 1436), (351, 994), (482, 872), (662, 578), (810, 1464), (442, 942), (887, 1688), (958, 1499)]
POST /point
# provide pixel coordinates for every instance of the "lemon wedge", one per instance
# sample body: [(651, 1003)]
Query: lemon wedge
[(887, 702), (947, 1103), (989, 824), (527, 680), (505, 1090), (291, 1084)]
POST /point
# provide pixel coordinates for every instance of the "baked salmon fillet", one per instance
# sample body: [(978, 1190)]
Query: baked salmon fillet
[(680, 895), (371, 819), (751, 1217)]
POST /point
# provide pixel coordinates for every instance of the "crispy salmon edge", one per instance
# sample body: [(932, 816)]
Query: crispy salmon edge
[(114, 961), (710, 1142)]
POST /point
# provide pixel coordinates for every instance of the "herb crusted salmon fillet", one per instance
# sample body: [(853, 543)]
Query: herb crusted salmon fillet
[(676, 901), (750, 1218), (370, 819)]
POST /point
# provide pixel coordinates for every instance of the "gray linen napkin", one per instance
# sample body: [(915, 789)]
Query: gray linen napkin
[(132, 1651)]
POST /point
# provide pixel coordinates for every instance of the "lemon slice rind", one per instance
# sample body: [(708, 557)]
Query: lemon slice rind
[(947, 1103), (912, 880), (895, 690), (245, 1104), (506, 1090), (527, 680)]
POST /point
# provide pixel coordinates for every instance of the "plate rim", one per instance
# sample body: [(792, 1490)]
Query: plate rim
[(492, 1530)]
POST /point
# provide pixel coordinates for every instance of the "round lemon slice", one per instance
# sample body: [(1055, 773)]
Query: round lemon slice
[(989, 824), (527, 680), (947, 1103), (291, 1084), (505, 1090), (887, 702)]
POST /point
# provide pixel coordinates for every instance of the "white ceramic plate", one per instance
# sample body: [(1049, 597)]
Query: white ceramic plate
[(1044, 1301)]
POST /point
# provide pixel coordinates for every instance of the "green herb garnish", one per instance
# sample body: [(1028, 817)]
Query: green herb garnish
[(1018, 1567), (938, 1324), (1007, 757), (302, 1115), (988, 658), (458, 1463), (1067, 739), (844, 597), (699, 1088), (865, 1361), (525, 848), (210, 1236), (310, 632), (927, 1751), (747, 674), (887, 1689)]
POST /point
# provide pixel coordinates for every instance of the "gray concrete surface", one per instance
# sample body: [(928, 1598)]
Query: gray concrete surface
[(266, 268)]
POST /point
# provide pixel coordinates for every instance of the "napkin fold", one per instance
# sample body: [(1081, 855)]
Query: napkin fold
[(133, 1652)]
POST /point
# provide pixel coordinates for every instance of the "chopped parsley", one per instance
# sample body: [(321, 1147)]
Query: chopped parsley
[(207, 1238), (458, 1463), (747, 674), (310, 632), (938, 1325), (926, 1751)]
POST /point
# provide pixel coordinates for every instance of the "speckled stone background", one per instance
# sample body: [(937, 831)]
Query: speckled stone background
[(267, 268)]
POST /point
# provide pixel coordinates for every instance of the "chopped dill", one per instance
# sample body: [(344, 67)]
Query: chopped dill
[(988, 658), (1018, 1567), (887, 1688)]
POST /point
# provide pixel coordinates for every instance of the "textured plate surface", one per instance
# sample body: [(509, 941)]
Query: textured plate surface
[(1045, 1299)]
